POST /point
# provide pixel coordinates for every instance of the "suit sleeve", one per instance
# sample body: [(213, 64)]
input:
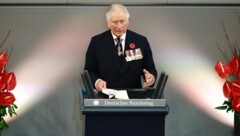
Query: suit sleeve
[(91, 61), (148, 62)]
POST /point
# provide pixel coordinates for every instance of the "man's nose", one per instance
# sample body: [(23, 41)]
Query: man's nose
[(119, 24)]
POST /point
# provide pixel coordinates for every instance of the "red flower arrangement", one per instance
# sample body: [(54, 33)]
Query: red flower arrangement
[(7, 84), (231, 87), (230, 71)]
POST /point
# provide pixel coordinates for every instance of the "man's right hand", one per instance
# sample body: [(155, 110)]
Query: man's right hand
[(101, 84)]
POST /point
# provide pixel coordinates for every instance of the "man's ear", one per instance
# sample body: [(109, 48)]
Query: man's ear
[(129, 21), (108, 24)]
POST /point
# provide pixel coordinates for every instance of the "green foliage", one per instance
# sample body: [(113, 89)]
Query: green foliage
[(11, 109), (226, 106), (4, 111)]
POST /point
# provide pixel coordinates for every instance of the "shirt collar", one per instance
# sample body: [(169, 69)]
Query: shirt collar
[(122, 37)]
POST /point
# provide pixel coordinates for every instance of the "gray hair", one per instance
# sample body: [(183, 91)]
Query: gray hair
[(117, 7)]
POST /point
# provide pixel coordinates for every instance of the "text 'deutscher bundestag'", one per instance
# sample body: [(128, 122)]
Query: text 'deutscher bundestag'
[(125, 103)]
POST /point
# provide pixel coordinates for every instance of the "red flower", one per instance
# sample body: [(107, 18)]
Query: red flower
[(235, 65), (222, 69), (6, 98), (132, 45), (10, 81), (7, 81), (227, 89), (236, 88), (2, 83), (3, 59)]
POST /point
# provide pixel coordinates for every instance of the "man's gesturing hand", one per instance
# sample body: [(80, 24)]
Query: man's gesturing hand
[(149, 78)]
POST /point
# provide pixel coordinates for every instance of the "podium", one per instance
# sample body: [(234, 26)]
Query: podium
[(142, 115), (137, 116)]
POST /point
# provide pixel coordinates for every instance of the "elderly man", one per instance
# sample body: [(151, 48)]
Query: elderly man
[(117, 58)]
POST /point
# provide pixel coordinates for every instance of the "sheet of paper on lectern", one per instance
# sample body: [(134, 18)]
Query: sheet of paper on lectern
[(118, 94)]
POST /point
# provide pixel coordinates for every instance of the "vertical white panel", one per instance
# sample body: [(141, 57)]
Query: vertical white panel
[(139, 2), (203, 1), (33, 1)]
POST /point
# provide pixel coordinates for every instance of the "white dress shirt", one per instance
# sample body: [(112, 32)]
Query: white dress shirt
[(123, 37)]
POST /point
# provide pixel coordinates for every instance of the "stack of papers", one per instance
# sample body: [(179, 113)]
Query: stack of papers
[(118, 94)]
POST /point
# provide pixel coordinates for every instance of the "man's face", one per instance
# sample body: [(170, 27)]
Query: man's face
[(118, 23)]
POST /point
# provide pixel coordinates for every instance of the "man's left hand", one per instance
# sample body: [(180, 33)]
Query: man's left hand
[(149, 78)]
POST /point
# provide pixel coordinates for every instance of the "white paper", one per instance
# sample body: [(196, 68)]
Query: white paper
[(118, 94)]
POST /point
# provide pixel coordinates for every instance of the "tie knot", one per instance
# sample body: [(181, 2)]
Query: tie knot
[(118, 40)]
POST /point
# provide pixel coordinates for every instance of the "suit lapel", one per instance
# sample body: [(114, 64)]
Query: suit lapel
[(129, 40)]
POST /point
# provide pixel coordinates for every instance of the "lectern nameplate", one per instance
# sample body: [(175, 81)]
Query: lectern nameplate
[(124, 103)]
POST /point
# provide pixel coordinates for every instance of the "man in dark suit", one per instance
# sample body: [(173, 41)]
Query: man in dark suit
[(117, 58)]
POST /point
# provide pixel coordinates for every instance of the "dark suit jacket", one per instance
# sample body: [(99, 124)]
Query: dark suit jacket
[(102, 61)]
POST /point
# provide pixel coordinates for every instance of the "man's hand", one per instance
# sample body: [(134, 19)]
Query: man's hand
[(101, 84), (149, 78)]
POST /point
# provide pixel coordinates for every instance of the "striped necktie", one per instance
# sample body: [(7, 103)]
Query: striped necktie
[(119, 46)]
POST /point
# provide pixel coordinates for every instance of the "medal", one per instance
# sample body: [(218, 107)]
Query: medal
[(119, 50), (134, 54)]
